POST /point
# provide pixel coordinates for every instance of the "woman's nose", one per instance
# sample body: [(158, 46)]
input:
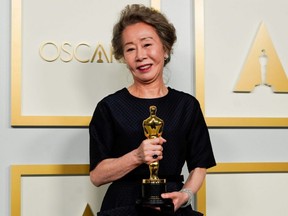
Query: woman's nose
[(140, 54)]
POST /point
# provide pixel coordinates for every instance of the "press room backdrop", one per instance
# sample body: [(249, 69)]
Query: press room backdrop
[(42, 145)]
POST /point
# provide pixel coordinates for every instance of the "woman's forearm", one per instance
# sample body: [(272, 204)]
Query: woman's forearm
[(195, 179), (112, 169)]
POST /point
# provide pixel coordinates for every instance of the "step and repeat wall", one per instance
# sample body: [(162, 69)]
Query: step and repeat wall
[(62, 65)]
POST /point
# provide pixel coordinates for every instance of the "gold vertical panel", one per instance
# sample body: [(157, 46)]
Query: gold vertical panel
[(201, 199), (16, 60), (199, 57), (156, 4), (230, 168)]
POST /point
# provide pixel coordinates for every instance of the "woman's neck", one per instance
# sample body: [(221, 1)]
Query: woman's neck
[(148, 91)]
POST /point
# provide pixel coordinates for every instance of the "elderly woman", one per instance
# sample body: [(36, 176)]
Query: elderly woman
[(119, 150)]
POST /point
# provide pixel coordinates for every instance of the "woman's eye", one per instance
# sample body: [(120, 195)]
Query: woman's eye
[(129, 49), (147, 45)]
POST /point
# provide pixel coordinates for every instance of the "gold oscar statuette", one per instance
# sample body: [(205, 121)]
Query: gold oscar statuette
[(153, 187)]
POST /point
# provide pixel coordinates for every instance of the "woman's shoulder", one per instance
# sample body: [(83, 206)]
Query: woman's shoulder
[(111, 100), (119, 93), (181, 95)]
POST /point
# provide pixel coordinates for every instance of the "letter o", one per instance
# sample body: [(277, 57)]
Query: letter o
[(52, 58)]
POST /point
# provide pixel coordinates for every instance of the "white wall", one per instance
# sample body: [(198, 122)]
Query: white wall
[(70, 145)]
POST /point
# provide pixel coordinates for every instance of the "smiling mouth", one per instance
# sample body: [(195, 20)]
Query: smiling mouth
[(145, 67)]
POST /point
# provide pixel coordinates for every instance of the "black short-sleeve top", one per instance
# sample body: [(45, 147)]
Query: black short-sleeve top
[(116, 129)]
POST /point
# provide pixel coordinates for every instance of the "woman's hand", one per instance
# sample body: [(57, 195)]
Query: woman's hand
[(111, 169), (149, 148), (193, 184), (178, 198)]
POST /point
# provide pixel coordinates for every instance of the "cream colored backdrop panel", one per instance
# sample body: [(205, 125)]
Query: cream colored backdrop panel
[(57, 38), (230, 29), (59, 195), (247, 194)]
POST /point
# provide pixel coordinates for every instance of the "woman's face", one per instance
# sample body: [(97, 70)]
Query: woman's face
[(143, 53)]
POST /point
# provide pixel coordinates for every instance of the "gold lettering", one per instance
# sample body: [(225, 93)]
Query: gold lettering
[(98, 53), (49, 51), (76, 51), (52, 58), (65, 50), (111, 54)]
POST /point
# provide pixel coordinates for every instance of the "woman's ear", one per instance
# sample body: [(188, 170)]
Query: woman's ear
[(166, 56)]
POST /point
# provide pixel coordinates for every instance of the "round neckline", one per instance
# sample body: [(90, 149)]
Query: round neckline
[(139, 98)]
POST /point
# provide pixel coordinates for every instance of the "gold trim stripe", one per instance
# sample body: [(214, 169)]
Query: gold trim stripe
[(156, 4), (199, 57), (246, 122)]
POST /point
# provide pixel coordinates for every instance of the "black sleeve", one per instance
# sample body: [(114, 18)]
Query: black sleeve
[(101, 135), (200, 153)]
